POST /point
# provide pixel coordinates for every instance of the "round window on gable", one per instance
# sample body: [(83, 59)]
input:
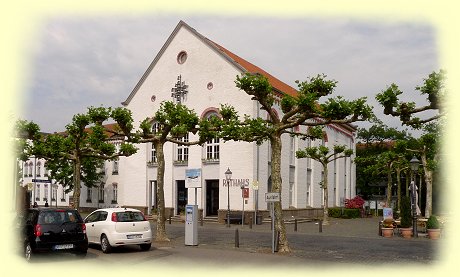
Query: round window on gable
[(181, 57)]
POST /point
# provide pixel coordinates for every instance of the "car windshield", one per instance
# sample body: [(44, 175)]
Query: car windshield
[(129, 216), (57, 217)]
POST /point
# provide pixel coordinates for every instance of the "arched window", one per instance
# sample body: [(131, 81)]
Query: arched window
[(31, 169), (45, 171), (212, 146), (39, 168), (25, 169), (155, 127)]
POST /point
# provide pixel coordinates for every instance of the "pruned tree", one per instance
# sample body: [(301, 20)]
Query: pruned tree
[(324, 155), (427, 148), (81, 148), (302, 109), (171, 123), (434, 88), (379, 154), (408, 112)]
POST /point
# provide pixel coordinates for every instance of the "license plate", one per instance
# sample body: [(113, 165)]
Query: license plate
[(63, 246), (134, 236)]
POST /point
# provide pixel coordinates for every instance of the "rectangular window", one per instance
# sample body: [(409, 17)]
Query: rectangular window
[(212, 149), (63, 194), (54, 192), (153, 155), (308, 159), (45, 196), (182, 150), (89, 194), (115, 193), (37, 192), (292, 150), (115, 167), (101, 193)]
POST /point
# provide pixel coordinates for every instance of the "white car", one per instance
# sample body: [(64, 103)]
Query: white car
[(113, 227)]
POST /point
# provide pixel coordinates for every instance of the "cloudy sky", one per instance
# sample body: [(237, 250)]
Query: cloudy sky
[(96, 59)]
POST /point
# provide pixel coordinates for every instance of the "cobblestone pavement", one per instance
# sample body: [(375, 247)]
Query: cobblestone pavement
[(351, 241)]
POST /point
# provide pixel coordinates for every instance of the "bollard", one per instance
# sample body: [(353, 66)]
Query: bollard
[(169, 219), (250, 222), (201, 219), (237, 238), (320, 225), (295, 225)]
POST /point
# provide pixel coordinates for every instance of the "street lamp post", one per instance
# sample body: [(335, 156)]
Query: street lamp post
[(228, 177), (414, 164), (242, 196)]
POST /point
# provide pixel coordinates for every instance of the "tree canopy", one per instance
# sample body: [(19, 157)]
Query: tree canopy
[(408, 112), (81, 148), (303, 109)]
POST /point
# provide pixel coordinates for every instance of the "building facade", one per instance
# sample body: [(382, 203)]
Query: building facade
[(201, 74)]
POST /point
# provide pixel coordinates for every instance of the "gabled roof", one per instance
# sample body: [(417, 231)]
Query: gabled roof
[(240, 63)]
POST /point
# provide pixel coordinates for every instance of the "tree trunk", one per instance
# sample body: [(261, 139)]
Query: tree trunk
[(389, 184), (398, 180), (76, 183), (276, 187), (325, 195), (429, 185), (161, 218)]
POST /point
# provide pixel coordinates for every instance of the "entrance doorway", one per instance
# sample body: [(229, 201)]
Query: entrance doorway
[(181, 196), (153, 198), (212, 197)]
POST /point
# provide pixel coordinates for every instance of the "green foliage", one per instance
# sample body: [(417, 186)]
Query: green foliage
[(317, 86), (406, 218), (337, 212), (78, 154), (323, 154), (381, 150), (432, 222), (258, 86), (175, 120), (433, 87), (389, 98)]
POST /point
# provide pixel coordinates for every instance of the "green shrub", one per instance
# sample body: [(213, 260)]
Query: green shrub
[(432, 222), (336, 212), (351, 213), (405, 212)]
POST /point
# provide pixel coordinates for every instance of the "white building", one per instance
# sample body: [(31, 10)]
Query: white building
[(208, 72)]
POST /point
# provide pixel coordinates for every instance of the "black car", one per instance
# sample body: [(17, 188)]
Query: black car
[(54, 229)]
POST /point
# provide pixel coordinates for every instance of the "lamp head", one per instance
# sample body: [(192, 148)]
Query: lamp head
[(228, 174), (414, 163)]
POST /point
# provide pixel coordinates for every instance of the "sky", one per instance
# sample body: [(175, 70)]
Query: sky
[(97, 59)]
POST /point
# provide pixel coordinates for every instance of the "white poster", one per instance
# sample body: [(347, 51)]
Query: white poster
[(193, 178)]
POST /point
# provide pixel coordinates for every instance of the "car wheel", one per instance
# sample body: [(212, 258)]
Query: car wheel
[(145, 247), (105, 245), (28, 251)]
